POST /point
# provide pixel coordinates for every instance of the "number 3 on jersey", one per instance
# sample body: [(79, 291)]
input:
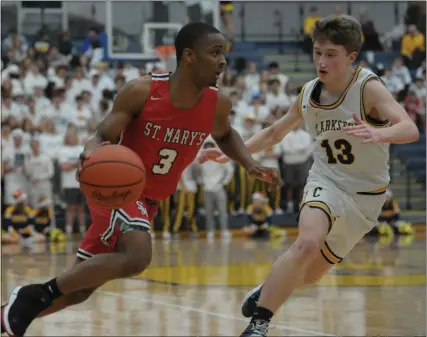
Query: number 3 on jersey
[(167, 158)]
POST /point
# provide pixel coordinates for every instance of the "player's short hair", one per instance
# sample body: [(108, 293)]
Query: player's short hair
[(343, 30), (190, 34)]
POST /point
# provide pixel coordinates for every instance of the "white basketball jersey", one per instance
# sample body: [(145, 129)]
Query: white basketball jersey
[(352, 166)]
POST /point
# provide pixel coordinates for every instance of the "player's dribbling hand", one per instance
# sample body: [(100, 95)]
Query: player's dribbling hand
[(266, 174), (85, 155), (212, 154), (363, 130)]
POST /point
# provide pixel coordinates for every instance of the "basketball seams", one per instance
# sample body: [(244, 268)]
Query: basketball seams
[(113, 186), (113, 162)]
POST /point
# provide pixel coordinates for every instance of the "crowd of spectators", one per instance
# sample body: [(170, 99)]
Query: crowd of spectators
[(53, 98)]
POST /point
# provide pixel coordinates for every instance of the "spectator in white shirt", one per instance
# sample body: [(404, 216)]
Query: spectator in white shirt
[(95, 52), (393, 83), (419, 88), (90, 103), (292, 92), (61, 113), (13, 161), (6, 136), (70, 96), (31, 113), (276, 98), (401, 71), (248, 126), (297, 148), (96, 87), (59, 75), (39, 169), (43, 103), (50, 141), (215, 176), (274, 71), (80, 82), (259, 110), (10, 108), (34, 78), (185, 203), (68, 161), (81, 116), (130, 72), (252, 77)]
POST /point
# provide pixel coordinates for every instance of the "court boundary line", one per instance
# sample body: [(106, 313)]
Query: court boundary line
[(274, 325)]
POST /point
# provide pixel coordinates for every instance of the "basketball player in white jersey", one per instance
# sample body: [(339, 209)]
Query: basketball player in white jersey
[(353, 119)]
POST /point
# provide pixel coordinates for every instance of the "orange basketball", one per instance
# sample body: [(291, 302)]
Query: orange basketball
[(113, 176)]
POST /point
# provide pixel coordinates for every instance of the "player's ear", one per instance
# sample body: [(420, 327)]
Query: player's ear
[(353, 57), (188, 55)]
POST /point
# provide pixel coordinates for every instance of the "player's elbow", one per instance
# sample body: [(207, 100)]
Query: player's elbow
[(413, 133)]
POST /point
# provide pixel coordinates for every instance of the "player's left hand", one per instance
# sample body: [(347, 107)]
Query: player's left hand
[(267, 174), (363, 130), (212, 154)]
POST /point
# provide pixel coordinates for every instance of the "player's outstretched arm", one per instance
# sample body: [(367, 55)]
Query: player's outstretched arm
[(272, 135), (379, 103), (227, 138), (261, 140)]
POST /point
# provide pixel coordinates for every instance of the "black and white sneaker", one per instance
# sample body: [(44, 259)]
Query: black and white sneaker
[(259, 328), (250, 301), (25, 303)]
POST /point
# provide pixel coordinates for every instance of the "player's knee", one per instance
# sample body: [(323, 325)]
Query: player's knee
[(135, 265), (307, 247), (136, 246)]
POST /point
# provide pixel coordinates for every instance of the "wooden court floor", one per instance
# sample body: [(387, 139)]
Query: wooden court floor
[(194, 288)]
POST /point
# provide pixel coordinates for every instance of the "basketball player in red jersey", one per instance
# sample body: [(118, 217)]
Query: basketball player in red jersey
[(165, 119)]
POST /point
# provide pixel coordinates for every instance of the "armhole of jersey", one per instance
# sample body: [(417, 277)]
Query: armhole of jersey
[(300, 101), (154, 77), (364, 116)]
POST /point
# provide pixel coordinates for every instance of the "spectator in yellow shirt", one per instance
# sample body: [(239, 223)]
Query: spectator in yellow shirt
[(413, 47), (309, 24)]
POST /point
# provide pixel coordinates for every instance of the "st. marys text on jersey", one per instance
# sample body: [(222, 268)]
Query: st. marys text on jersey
[(168, 138), (174, 135)]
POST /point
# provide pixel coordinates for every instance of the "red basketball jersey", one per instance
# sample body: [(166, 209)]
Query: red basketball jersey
[(168, 139)]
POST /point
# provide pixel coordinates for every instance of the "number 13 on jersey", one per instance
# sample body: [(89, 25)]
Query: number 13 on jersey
[(167, 158)]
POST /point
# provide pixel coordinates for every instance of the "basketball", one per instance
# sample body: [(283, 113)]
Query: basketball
[(113, 176)]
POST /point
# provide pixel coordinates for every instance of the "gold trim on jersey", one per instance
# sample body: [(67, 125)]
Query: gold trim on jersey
[(329, 255), (342, 97), (322, 206), (378, 191), (365, 117), (301, 96)]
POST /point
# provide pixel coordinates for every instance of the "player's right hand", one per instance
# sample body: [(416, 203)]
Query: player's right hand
[(85, 155), (212, 154)]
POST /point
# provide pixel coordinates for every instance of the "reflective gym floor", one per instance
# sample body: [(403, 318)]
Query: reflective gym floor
[(194, 288)]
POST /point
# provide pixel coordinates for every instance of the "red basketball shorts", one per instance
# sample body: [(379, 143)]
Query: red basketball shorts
[(109, 224)]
